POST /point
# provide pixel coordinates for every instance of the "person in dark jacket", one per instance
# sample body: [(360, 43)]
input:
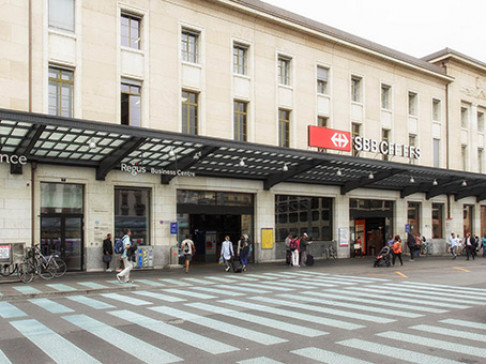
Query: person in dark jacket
[(411, 245), (107, 252)]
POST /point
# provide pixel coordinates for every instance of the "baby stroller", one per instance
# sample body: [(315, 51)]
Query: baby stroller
[(383, 258)]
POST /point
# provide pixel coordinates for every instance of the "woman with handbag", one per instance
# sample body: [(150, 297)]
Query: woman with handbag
[(107, 252)]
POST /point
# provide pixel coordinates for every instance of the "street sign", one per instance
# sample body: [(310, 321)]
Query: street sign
[(174, 227), (407, 228), (329, 138)]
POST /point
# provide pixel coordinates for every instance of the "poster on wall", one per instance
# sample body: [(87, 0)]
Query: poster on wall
[(343, 236), (267, 238), (359, 232)]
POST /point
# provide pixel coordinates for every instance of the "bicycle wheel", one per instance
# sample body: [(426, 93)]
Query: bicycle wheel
[(46, 270), (25, 271), (61, 266)]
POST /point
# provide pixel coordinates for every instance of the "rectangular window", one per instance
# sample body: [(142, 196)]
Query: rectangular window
[(385, 136), (190, 45), (386, 97), (283, 70), (283, 128), (298, 214), (61, 92), (356, 88), (355, 131), (464, 157), (468, 214), (436, 147), (464, 117), (322, 80), (61, 14), (130, 31), (412, 104), (240, 59), (412, 140), (189, 112), (414, 217), (130, 103), (480, 160), (436, 114), (240, 120), (481, 121), (132, 211), (437, 220), (322, 121)]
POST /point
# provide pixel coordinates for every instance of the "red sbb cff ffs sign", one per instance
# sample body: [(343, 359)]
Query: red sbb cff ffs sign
[(329, 138)]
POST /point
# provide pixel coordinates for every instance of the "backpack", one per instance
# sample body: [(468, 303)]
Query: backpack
[(119, 246), (293, 244), (186, 248)]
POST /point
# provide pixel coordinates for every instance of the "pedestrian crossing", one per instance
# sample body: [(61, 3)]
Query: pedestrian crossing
[(366, 320)]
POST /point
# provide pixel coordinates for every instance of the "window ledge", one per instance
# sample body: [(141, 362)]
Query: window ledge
[(132, 50), (413, 117), (323, 95), (190, 64), (387, 110), (288, 87), (357, 103), (63, 33), (245, 77)]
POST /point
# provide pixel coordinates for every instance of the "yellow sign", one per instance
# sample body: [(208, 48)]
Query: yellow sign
[(267, 238)]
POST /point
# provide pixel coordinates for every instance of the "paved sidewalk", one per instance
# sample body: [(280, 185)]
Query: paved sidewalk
[(82, 283)]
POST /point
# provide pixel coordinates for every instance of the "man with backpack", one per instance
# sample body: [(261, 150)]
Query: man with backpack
[(295, 249), (128, 256), (188, 249)]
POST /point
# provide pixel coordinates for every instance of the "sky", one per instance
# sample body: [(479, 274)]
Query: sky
[(415, 27)]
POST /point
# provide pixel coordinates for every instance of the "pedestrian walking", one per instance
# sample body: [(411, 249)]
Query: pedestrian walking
[(411, 246), (188, 249), (227, 252), (288, 252), (295, 248), (483, 245), (459, 246), (304, 243), (452, 245), (358, 247), (107, 252), (243, 250), (390, 241), (469, 244), (397, 250), (124, 275)]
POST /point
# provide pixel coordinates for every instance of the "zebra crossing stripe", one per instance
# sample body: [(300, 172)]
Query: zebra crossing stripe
[(399, 292), (348, 305), (174, 282), (273, 275), (373, 279), (54, 345), (175, 333), (189, 293), (128, 343), (159, 296), (7, 310), (61, 287), (116, 283), (218, 291), (26, 289), (265, 286), (456, 290), (470, 324), (198, 281), (90, 302), (297, 315), (222, 279), (325, 310), (353, 297), (472, 289), (302, 283), (287, 284), (395, 353), (398, 287), (241, 289), (92, 285), (259, 360), (263, 321), (324, 356), (4, 359), (332, 279), (434, 343), (50, 306), (448, 332), (149, 282), (126, 299), (380, 295), (219, 325)]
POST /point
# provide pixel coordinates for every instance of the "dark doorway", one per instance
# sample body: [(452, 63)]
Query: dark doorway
[(375, 235)]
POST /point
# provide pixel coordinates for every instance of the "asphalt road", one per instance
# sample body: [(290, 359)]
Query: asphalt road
[(429, 311)]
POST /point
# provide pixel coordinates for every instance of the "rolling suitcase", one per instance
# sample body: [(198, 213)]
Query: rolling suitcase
[(310, 260), (237, 267)]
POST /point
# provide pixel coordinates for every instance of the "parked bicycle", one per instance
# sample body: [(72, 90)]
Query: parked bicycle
[(47, 267)]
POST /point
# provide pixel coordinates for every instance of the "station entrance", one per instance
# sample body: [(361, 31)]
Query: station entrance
[(371, 222), (209, 216)]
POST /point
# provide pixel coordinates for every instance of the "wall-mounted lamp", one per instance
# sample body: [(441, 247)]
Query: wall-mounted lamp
[(92, 144), (242, 162), (412, 180), (371, 175), (464, 183), (285, 167), (171, 153), (339, 173), (435, 183)]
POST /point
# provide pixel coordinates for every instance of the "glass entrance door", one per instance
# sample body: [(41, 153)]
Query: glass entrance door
[(63, 235)]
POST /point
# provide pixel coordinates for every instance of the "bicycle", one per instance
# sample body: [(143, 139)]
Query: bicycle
[(47, 267)]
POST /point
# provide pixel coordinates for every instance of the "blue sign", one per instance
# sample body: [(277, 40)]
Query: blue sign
[(174, 227), (407, 228)]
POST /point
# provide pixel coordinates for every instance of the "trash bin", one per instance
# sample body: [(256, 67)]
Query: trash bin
[(174, 255)]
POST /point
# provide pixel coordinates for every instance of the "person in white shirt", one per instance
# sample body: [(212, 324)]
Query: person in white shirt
[(188, 249), (227, 252), (453, 245)]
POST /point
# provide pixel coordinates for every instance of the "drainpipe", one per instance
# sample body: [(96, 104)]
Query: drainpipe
[(444, 65), (33, 165)]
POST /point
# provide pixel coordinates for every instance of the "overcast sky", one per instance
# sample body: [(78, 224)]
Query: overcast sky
[(416, 27)]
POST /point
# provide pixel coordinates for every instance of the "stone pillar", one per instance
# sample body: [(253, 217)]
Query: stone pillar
[(341, 220), (401, 219), (264, 218)]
